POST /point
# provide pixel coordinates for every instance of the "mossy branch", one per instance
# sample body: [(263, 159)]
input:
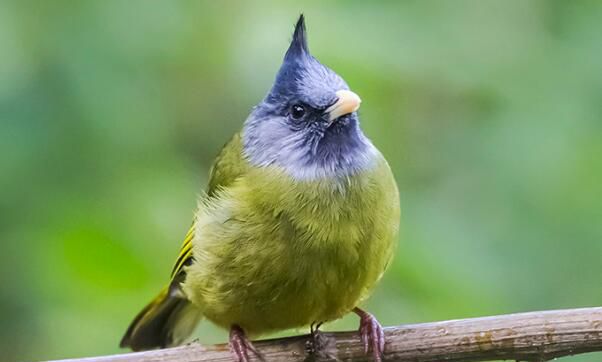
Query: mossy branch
[(536, 336)]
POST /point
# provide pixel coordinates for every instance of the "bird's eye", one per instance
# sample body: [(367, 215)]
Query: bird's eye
[(297, 111)]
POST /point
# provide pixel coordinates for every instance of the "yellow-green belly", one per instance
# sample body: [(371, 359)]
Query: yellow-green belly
[(271, 253)]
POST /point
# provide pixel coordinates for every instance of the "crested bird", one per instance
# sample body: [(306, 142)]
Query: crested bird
[(297, 225)]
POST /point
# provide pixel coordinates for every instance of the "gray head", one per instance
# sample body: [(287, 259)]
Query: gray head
[(307, 124)]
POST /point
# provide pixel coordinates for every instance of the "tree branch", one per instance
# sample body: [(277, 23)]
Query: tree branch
[(537, 336)]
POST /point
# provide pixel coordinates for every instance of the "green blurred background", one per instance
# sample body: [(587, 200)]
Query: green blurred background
[(490, 113)]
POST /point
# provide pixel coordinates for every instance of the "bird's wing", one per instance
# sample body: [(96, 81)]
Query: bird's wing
[(228, 166)]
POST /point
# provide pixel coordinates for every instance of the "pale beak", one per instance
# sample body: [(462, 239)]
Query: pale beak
[(346, 103)]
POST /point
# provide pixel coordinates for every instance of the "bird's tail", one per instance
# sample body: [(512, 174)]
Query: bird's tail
[(166, 321)]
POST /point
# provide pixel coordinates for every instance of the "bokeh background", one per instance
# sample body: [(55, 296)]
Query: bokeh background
[(490, 113)]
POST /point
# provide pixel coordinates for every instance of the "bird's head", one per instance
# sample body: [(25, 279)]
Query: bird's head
[(307, 124)]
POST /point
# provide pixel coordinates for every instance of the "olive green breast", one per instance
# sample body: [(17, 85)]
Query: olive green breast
[(273, 253)]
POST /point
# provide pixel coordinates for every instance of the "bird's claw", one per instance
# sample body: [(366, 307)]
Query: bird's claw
[(371, 334), (240, 344), (318, 347)]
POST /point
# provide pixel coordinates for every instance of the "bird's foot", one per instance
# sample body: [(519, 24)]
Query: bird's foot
[(371, 334), (240, 345), (315, 329), (316, 342), (318, 346)]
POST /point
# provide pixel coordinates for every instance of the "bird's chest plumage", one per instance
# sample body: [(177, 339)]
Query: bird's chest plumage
[(271, 254)]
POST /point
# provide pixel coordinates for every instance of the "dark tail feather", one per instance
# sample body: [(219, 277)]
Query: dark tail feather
[(166, 321)]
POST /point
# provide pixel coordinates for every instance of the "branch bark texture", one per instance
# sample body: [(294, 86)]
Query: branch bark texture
[(536, 336)]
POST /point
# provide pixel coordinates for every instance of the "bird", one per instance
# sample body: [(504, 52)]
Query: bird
[(297, 225)]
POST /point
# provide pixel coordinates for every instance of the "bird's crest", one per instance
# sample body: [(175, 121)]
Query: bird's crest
[(299, 42)]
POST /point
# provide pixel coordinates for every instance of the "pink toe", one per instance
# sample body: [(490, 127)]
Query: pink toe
[(371, 334)]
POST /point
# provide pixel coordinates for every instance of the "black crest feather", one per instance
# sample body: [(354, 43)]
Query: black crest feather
[(299, 43)]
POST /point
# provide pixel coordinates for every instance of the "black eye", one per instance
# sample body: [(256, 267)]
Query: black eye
[(297, 111)]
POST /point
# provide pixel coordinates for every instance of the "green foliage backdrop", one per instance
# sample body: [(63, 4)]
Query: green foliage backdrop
[(490, 113)]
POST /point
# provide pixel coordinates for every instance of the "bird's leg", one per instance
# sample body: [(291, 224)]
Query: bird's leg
[(240, 344), (371, 333)]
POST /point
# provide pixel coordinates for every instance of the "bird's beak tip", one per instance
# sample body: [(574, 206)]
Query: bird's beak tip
[(347, 102)]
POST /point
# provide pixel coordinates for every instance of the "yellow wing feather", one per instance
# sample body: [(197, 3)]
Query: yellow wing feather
[(185, 252)]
